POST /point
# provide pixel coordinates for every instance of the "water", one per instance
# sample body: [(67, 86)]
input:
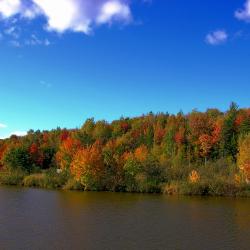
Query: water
[(41, 219)]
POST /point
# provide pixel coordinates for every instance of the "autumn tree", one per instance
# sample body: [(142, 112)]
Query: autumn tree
[(3, 148), (120, 127), (141, 153), (206, 143), (159, 133), (113, 161), (244, 156), (143, 172), (102, 131), (66, 151), (35, 155), (199, 124), (85, 133), (87, 166), (243, 121), (138, 154)]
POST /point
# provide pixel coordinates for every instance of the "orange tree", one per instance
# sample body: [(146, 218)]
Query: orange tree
[(66, 151), (87, 166)]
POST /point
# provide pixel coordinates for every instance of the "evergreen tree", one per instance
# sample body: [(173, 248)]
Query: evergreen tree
[(229, 140)]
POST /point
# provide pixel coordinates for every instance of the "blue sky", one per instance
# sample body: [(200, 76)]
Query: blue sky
[(63, 61)]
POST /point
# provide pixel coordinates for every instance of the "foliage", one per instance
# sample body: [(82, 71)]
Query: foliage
[(73, 184), (17, 158), (203, 153), (34, 180), (194, 177), (88, 166), (66, 151), (244, 156), (12, 178)]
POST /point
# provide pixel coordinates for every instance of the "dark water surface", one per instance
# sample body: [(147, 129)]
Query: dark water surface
[(41, 219)]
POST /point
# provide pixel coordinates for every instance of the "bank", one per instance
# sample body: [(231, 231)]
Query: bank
[(51, 179)]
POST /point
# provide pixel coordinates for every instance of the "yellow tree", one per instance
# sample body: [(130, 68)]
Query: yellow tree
[(244, 156), (206, 144), (88, 166)]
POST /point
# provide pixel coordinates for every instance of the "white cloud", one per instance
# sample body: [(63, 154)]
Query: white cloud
[(217, 37), (69, 15), (244, 14), (18, 133), (9, 8), (2, 125), (31, 12), (64, 15), (113, 10)]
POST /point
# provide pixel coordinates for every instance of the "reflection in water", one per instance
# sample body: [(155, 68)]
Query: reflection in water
[(40, 219), (242, 214)]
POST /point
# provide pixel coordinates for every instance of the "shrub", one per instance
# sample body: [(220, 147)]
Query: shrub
[(34, 180), (55, 180), (73, 184), (194, 176), (171, 188), (12, 178), (222, 188), (199, 188)]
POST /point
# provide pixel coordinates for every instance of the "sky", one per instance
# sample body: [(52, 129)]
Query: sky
[(64, 61)]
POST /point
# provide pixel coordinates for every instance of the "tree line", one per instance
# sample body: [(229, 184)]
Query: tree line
[(198, 152)]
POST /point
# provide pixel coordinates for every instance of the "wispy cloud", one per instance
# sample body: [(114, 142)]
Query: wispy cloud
[(14, 38), (13, 32), (15, 43), (2, 125), (216, 37), (69, 15), (34, 40), (244, 14)]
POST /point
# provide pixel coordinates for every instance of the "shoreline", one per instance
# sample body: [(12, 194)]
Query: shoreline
[(201, 189)]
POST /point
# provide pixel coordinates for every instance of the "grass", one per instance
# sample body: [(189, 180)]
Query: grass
[(215, 179), (12, 178)]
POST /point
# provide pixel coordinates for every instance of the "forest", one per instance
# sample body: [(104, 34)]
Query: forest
[(199, 153)]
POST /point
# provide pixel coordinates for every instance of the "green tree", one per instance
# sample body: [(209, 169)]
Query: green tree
[(18, 158), (132, 168), (229, 140)]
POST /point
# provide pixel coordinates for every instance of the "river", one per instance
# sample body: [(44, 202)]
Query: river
[(42, 219)]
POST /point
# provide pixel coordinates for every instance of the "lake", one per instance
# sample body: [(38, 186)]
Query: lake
[(42, 219)]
